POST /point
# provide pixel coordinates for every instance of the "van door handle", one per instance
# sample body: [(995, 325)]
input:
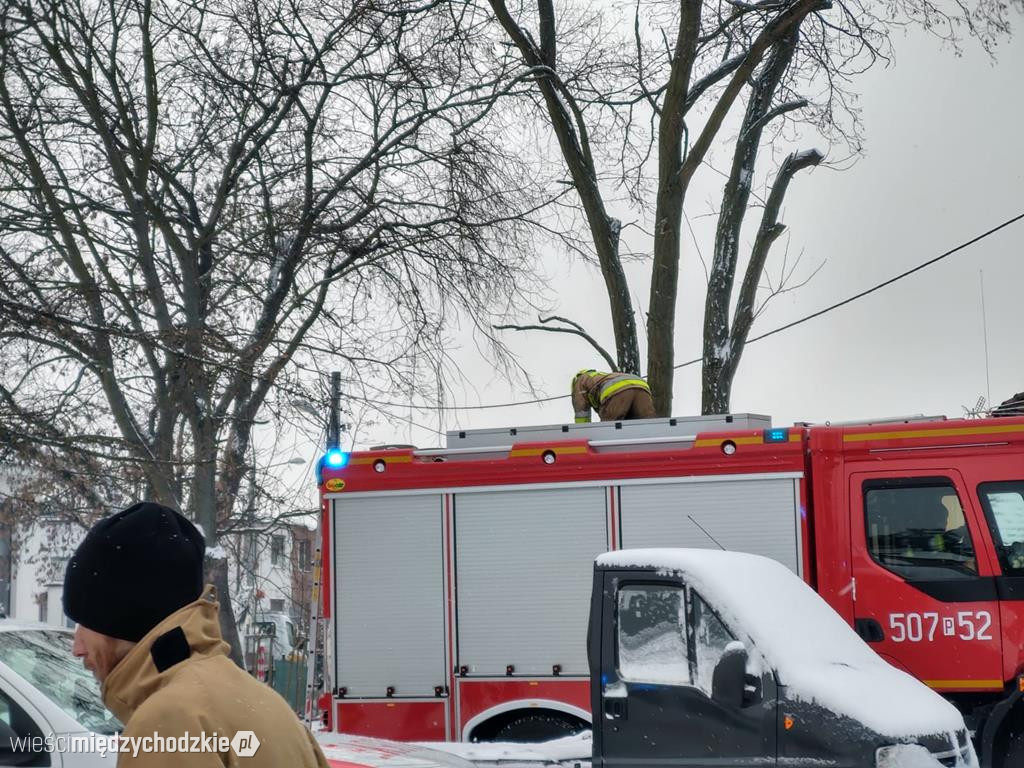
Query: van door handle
[(615, 709), (869, 630)]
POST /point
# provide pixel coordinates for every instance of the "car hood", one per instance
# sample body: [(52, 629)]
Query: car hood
[(345, 751)]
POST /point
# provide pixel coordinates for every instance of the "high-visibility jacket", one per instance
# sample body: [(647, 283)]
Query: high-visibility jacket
[(590, 390)]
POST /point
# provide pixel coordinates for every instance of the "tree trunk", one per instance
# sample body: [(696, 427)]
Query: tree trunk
[(217, 574), (719, 366), (661, 321), (668, 212), (716, 387), (206, 513)]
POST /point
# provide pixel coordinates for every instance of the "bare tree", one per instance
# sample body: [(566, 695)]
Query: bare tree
[(724, 341), (639, 94), (201, 200)]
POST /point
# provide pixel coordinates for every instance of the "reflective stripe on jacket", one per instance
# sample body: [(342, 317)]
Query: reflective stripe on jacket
[(592, 388)]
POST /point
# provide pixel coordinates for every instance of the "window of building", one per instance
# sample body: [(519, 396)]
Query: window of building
[(277, 605), (44, 606), (917, 529), (304, 559), (276, 549), (652, 634), (57, 568)]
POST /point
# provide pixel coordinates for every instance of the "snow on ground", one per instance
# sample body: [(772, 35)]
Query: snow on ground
[(344, 751), (571, 749)]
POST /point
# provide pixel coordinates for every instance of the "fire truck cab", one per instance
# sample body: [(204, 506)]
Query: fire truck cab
[(457, 579)]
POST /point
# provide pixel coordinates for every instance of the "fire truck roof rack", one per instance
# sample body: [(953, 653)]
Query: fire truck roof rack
[(913, 419), (607, 433), (486, 451)]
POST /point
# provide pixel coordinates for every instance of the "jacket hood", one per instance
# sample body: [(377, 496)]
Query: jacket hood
[(137, 676)]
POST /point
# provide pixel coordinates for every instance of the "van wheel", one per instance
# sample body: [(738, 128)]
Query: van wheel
[(1014, 751), (537, 726)]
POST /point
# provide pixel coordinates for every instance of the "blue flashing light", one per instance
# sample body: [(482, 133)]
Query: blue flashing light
[(336, 458), (776, 435)]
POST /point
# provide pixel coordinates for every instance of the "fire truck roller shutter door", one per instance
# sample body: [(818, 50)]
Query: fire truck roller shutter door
[(389, 588), (524, 571), (756, 515)]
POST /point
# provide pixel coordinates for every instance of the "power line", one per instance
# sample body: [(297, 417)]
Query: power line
[(385, 404), (878, 287), (780, 329)]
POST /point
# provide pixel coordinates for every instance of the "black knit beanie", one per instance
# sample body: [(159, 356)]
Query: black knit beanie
[(133, 570)]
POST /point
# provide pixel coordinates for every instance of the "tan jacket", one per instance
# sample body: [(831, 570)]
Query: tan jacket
[(591, 388), (205, 693)]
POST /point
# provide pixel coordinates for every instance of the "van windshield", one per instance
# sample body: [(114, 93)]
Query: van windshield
[(43, 657)]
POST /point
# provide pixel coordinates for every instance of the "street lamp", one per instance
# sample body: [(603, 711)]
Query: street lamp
[(306, 407), (295, 460)]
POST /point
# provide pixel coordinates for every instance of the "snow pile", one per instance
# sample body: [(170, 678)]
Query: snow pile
[(915, 756), (815, 653), (567, 749)]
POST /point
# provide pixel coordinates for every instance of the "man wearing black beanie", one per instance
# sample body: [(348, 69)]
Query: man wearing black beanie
[(149, 633)]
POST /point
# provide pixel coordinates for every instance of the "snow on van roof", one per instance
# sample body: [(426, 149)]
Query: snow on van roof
[(814, 652)]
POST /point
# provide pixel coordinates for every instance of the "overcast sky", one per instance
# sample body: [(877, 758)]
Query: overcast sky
[(943, 163)]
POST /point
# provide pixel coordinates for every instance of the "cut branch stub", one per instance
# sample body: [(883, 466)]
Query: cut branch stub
[(574, 328)]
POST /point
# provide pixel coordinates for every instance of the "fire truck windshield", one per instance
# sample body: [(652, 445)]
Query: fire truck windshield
[(1004, 508)]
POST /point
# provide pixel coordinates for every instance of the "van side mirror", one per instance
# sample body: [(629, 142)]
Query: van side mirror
[(728, 681)]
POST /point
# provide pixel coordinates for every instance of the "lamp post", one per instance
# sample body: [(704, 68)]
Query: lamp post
[(294, 461)]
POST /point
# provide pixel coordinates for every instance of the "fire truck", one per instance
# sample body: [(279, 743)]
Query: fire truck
[(456, 580)]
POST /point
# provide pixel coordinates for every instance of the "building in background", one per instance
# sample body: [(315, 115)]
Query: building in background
[(272, 568), (39, 559), (273, 573), (6, 531)]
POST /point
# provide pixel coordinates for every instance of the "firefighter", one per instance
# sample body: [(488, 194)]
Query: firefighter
[(615, 396)]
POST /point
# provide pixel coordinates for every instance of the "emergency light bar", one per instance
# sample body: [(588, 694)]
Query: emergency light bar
[(336, 458)]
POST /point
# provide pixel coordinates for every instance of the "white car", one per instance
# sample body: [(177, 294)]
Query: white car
[(345, 751), (46, 692), (47, 698)]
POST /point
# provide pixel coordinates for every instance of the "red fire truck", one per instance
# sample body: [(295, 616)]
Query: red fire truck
[(456, 579)]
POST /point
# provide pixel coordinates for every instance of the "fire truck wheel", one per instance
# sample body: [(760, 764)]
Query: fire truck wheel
[(537, 726)]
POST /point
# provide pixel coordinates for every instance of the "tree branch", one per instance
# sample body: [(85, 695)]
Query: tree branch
[(576, 330), (768, 232)]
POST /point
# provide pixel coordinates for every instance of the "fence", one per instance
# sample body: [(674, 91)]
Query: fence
[(265, 660)]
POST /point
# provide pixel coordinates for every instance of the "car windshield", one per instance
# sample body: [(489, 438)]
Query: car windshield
[(43, 657)]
